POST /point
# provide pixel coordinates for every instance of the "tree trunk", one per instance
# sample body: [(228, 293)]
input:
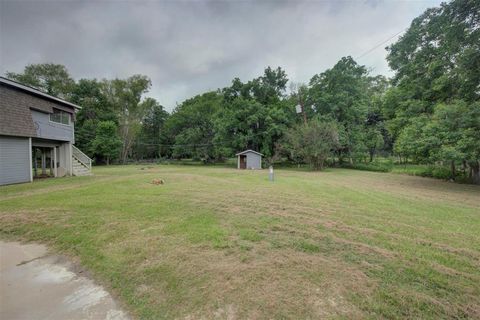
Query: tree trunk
[(108, 161), (320, 164), (475, 170), (452, 167)]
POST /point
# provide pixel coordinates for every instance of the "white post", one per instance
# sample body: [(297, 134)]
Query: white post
[(238, 162), (69, 159), (30, 155), (55, 172)]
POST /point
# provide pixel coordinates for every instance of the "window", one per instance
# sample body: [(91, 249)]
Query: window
[(60, 116)]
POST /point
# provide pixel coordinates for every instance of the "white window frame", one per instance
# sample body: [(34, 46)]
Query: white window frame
[(61, 112)]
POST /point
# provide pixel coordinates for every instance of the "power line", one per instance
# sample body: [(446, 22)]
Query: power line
[(381, 43), (184, 145)]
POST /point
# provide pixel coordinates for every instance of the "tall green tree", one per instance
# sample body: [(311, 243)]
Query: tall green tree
[(50, 78), (107, 144), (90, 95), (152, 140), (438, 58), (255, 114), (127, 98), (437, 75), (346, 94), (455, 130), (191, 127)]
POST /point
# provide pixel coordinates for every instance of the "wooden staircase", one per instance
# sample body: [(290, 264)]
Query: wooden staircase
[(81, 163)]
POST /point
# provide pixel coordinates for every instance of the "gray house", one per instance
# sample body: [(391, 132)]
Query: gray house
[(249, 159), (37, 135)]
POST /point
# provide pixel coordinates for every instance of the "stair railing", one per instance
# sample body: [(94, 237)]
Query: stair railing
[(82, 157)]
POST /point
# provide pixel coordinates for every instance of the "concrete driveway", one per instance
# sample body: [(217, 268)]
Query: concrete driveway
[(37, 285)]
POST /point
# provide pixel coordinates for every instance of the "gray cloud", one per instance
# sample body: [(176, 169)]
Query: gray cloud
[(190, 47)]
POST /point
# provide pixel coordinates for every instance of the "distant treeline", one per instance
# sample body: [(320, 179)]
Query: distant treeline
[(428, 113)]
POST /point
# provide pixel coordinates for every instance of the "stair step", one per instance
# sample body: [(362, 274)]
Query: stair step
[(78, 167)]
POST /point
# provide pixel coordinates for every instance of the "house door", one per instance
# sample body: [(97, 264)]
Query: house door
[(243, 162)]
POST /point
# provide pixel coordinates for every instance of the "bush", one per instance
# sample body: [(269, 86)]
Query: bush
[(437, 172), (441, 173), (374, 166)]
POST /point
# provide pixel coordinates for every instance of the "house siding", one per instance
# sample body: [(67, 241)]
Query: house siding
[(14, 160), (47, 129), (15, 120), (16, 111)]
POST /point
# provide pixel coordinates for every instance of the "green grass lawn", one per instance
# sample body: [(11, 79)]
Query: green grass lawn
[(221, 243)]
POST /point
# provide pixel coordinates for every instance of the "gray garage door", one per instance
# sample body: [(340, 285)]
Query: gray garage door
[(14, 160)]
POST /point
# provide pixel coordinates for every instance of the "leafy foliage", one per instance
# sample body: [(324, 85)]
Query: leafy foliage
[(107, 144), (313, 142), (152, 140), (51, 78), (254, 114), (191, 127), (432, 111)]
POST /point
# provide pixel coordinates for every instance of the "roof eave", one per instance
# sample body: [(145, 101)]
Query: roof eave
[(247, 151), (37, 92)]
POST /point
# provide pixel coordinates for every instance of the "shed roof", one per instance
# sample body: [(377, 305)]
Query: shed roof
[(248, 151), (36, 92)]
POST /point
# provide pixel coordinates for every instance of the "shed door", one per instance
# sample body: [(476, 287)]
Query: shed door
[(243, 162), (14, 160)]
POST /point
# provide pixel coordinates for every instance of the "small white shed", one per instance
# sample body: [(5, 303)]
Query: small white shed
[(249, 159)]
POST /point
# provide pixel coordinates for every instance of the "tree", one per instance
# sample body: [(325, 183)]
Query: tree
[(438, 57), (346, 94), (106, 143), (254, 114), (90, 95), (340, 92), (191, 127), (152, 140), (455, 127), (50, 78), (313, 142), (432, 110), (411, 141), (126, 98), (373, 140)]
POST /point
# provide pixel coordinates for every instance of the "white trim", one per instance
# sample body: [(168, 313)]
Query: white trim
[(30, 155), (55, 171), (70, 158), (63, 124), (248, 151)]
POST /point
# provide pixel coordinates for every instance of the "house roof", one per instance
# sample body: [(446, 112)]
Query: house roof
[(249, 151), (36, 92), (16, 103)]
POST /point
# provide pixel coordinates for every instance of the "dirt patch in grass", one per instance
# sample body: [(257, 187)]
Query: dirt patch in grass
[(277, 284)]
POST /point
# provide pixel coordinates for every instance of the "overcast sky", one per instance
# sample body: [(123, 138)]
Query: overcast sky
[(190, 47)]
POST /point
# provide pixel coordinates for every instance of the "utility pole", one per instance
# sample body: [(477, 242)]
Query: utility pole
[(300, 108), (303, 110)]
